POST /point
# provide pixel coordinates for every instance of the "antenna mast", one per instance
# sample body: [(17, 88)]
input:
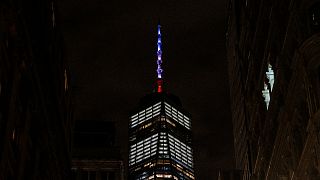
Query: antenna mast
[(159, 63)]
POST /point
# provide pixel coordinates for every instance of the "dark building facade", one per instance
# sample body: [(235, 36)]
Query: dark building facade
[(94, 154), (230, 175), (160, 139), (35, 101), (274, 68)]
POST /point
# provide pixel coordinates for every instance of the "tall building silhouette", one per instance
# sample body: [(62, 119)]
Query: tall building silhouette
[(274, 69), (160, 139), (35, 94)]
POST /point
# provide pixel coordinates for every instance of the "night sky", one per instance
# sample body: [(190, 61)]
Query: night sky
[(111, 47)]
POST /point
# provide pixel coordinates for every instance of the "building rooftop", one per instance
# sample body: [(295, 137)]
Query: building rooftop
[(95, 139)]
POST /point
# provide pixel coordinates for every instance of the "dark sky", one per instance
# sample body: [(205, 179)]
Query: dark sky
[(111, 47)]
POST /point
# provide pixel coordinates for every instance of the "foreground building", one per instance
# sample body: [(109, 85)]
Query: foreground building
[(35, 101), (160, 142), (274, 69), (94, 154)]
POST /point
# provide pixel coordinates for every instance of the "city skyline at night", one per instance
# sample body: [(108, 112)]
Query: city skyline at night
[(102, 61), (88, 89), (111, 49)]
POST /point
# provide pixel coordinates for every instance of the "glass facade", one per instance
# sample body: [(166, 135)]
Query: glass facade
[(145, 115), (177, 116), (160, 143), (181, 152), (143, 149)]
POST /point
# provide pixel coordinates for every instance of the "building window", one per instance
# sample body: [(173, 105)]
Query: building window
[(145, 115), (176, 115), (268, 86), (143, 149), (180, 151), (270, 76), (266, 95)]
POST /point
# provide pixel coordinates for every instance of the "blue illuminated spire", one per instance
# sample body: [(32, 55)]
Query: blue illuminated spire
[(159, 53)]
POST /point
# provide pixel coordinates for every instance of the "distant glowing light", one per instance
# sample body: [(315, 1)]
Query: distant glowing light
[(159, 89), (159, 85)]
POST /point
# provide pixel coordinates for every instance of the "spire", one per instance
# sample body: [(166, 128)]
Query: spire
[(159, 54), (159, 63)]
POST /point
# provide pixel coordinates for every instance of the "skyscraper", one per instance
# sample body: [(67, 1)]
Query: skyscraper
[(274, 70), (160, 139), (36, 110)]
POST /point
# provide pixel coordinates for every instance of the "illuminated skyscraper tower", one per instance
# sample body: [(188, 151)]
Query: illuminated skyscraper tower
[(160, 144)]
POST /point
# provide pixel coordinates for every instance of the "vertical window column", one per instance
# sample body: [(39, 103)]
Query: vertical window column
[(163, 145)]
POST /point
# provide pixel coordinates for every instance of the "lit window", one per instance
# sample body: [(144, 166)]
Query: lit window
[(145, 115), (141, 117), (134, 116), (155, 114), (177, 116), (268, 86), (266, 95), (270, 76), (157, 105), (143, 149), (180, 151)]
